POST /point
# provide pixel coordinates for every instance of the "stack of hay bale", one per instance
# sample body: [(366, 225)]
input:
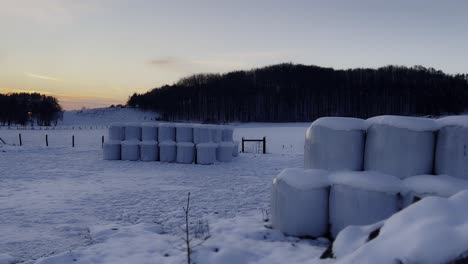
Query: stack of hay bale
[(170, 142), (373, 169)]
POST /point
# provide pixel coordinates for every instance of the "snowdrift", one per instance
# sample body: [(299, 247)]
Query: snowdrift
[(335, 143), (299, 202), (434, 230)]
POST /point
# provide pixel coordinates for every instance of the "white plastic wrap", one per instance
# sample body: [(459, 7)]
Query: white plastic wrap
[(335, 143), (300, 202), (224, 151), (132, 131), (216, 133), (400, 146), (130, 150), (149, 150), (201, 134), (117, 131), (235, 149), (149, 132), (452, 151), (184, 133), (167, 151), (418, 187), (185, 152), (111, 150), (362, 198), (206, 153), (227, 133), (166, 132)]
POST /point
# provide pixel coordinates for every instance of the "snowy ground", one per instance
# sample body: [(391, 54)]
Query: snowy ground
[(71, 206)]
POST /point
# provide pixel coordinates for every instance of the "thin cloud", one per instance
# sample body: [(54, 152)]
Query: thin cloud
[(42, 77), (165, 61)]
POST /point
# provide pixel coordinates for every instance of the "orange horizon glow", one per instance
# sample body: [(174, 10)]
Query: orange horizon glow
[(72, 102)]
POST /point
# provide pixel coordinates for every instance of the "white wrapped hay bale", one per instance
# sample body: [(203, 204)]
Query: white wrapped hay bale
[(206, 153), (166, 132), (130, 150), (149, 150), (184, 133), (167, 151), (400, 146), (216, 133), (300, 202), (117, 131), (335, 143), (235, 148), (362, 198), (421, 186), (111, 150), (149, 132), (185, 152), (132, 131), (224, 151), (227, 133), (452, 147), (201, 134)]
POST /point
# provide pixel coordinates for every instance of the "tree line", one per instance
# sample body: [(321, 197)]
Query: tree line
[(290, 92), (29, 108)]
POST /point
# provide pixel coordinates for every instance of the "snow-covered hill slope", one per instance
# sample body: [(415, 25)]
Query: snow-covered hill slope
[(105, 116)]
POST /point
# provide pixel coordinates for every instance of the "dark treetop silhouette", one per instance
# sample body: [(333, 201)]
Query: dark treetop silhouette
[(289, 92)]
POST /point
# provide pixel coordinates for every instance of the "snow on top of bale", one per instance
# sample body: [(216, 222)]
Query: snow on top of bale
[(207, 145), (184, 125), (166, 125), (407, 122), (185, 144), (433, 230), (113, 142), (460, 121), (167, 143), (340, 123), (303, 179), (367, 180), (440, 185), (149, 142), (148, 124), (130, 142), (117, 124)]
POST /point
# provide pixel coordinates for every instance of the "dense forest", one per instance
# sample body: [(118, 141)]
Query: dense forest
[(29, 108), (289, 92)]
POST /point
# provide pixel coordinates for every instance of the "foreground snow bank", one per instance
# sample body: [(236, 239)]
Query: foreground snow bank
[(434, 230), (242, 239)]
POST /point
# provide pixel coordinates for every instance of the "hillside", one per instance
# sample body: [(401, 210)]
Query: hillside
[(105, 116), (292, 93)]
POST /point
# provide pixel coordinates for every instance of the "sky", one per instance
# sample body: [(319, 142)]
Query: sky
[(94, 53)]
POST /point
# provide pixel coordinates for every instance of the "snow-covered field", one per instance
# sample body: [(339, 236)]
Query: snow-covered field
[(61, 205)]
